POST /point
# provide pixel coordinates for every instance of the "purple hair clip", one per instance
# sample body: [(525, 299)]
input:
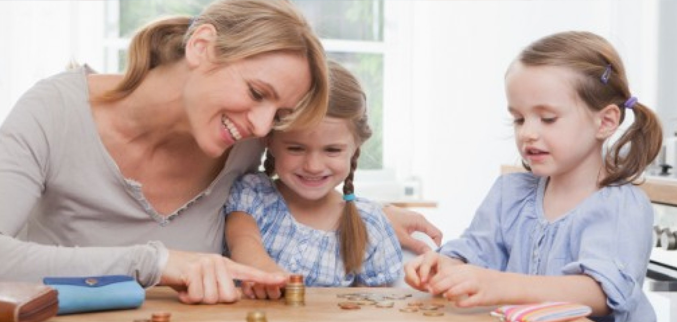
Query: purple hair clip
[(606, 75), (630, 103)]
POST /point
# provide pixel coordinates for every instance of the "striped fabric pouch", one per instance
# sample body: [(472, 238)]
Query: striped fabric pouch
[(542, 312)]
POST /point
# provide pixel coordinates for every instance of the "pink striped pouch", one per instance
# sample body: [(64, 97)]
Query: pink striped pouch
[(542, 312)]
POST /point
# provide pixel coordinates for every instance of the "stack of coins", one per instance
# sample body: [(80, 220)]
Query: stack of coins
[(295, 291), (160, 317), (256, 316)]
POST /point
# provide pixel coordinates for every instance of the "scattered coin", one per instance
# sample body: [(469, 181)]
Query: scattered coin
[(433, 313), (385, 304), (408, 309), (415, 303), (349, 306), (256, 316)]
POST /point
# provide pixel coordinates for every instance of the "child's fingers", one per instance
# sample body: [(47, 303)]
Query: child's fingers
[(441, 283), (462, 293), (247, 290), (411, 272), (428, 262), (469, 301), (274, 292)]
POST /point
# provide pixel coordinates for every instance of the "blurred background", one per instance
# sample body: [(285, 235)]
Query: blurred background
[(433, 70)]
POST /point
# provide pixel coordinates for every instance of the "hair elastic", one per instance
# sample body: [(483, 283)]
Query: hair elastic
[(630, 103), (349, 197), (606, 75)]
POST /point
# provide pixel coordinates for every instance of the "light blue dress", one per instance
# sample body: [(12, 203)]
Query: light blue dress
[(607, 237), (311, 252)]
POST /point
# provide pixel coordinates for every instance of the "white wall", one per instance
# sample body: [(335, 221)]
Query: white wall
[(41, 38)]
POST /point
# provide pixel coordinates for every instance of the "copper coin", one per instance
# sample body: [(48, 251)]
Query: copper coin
[(415, 303), (409, 310), (296, 278), (433, 313), (349, 306), (385, 304), (160, 317)]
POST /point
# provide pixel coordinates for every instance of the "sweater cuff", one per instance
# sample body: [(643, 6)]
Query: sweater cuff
[(151, 261)]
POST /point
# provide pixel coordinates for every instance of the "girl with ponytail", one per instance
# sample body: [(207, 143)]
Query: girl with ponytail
[(575, 228), (304, 223)]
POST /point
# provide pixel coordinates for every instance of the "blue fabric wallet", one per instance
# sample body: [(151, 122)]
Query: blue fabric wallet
[(96, 293)]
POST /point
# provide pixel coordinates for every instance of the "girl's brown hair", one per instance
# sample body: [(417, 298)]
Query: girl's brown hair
[(602, 82), (245, 28), (346, 101)]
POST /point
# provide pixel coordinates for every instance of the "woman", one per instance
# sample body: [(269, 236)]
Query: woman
[(126, 174)]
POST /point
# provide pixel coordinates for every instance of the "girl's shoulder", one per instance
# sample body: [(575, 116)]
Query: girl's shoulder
[(520, 180), (621, 199), (257, 181), (517, 187)]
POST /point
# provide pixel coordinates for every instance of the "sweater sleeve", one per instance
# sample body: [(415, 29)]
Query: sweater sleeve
[(24, 167)]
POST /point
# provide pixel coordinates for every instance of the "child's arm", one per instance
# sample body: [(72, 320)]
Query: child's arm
[(470, 285), (246, 247)]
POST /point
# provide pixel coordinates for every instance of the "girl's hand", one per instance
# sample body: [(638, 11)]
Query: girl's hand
[(468, 285), (261, 291), (208, 278), (418, 270), (405, 222)]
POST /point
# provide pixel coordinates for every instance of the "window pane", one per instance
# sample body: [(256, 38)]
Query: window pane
[(369, 70), (345, 19), (134, 13)]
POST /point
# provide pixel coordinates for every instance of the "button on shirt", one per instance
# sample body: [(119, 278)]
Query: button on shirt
[(607, 237)]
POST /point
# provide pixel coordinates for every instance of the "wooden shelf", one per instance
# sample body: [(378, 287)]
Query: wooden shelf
[(414, 204)]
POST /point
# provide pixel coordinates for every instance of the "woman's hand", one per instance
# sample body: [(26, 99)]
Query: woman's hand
[(405, 222), (208, 278)]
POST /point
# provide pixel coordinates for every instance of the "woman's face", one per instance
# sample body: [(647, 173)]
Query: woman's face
[(242, 99)]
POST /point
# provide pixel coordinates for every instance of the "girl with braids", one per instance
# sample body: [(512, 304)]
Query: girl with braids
[(125, 174), (574, 228), (306, 226)]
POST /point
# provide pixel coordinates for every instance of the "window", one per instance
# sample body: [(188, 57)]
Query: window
[(352, 33)]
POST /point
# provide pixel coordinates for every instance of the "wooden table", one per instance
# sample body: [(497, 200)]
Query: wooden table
[(321, 305)]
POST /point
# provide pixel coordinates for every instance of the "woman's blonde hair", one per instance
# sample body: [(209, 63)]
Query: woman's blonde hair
[(347, 101), (245, 28)]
